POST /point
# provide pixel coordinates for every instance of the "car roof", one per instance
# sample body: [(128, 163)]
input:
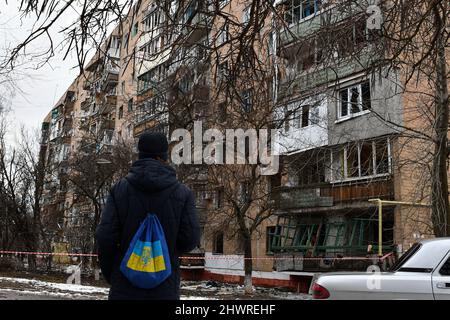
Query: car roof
[(430, 254)]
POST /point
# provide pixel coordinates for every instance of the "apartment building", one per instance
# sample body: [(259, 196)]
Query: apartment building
[(337, 149)]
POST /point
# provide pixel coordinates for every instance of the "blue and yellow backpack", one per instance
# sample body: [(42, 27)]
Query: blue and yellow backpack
[(146, 263)]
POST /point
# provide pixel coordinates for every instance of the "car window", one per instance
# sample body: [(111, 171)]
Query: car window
[(406, 256), (445, 270)]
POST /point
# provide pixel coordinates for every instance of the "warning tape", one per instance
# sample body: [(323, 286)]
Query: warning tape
[(204, 258), (49, 253)]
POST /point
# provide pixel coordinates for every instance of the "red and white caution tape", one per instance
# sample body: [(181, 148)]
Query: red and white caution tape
[(218, 257)]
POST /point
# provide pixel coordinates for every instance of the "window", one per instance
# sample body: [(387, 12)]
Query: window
[(244, 191), (135, 29), (311, 170), (218, 243), (115, 43), (354, 100), (305, 116), (366, 156), (350, 38), (382, 157), (151, 78), (130, 105), (120, 114), (406, 256), (298, 117), (352, 161), (223, 35), (246, 15), (270, 233), (122, 88), (219, 198), (445, 270), (297, 10), (247, 100), (153, 20), (223, 3), (223, 69), (364, 159)]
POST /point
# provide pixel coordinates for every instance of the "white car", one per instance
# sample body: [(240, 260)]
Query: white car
[(422, 273)]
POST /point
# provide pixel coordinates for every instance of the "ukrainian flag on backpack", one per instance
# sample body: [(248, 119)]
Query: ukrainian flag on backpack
[(146, 263)]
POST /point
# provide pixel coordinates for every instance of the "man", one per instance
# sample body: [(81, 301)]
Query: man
[(150, 187)]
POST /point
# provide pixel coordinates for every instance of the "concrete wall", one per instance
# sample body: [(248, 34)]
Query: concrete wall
[(386, 103)]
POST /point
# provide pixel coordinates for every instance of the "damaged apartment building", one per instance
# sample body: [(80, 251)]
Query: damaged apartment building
[(338, 146)]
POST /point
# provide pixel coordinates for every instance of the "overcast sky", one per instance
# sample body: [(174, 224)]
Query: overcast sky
[(41, 88)]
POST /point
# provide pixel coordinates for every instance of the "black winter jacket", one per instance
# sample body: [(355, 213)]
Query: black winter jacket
[(150, 186)]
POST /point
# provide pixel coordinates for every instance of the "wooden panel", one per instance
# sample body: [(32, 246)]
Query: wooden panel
[(362, 191)]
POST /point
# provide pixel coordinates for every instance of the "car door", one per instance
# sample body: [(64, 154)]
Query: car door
[(441, 280)]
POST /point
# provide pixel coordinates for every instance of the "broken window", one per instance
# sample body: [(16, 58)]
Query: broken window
[(366, 159), (354, 99), (352, 161), (382, 157), (311, 170)]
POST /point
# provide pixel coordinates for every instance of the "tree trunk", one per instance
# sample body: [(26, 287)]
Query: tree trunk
[(248, 265), (439, 178)]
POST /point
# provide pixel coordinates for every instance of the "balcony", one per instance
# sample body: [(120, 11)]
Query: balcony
[(149, 124), (110, 76), (303, 197), (107, 124), (196, 25), (322, 75), (332, 195), (325, 17), (146, 61)]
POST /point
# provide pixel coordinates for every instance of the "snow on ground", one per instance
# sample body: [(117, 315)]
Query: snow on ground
[(20, 288)]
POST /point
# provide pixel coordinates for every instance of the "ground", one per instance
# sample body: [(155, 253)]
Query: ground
[(27, 286)]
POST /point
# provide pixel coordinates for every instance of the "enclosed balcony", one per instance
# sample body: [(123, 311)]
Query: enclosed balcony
[(196, 24), (110, 76), (329, 195)]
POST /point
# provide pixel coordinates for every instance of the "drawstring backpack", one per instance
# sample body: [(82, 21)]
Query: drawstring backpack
[(146, 263)]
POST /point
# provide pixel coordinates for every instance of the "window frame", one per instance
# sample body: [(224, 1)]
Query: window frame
[(215, 240), (343, 166), (294, 8), (349, 104), (445, 265)]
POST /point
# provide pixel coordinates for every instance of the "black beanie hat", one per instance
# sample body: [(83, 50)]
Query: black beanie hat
[(152, 145)]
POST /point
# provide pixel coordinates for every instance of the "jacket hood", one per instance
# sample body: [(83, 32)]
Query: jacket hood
[(151, 175)]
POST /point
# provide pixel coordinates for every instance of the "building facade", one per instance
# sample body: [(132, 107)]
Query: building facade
[(339, 142)]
